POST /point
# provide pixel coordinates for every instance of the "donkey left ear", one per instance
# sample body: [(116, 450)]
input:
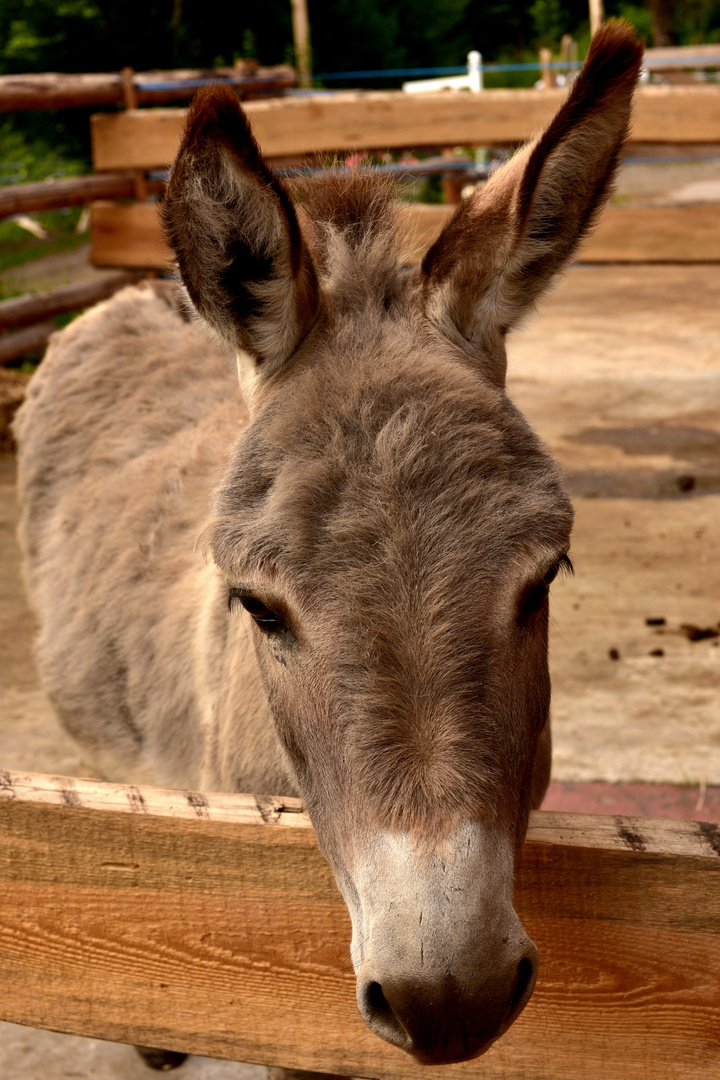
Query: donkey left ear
[(236, 236), (502, 246)]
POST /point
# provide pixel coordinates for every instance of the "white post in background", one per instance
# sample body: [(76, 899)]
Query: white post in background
[(597, 15), (301, 42), (473, 81), (475, 72)]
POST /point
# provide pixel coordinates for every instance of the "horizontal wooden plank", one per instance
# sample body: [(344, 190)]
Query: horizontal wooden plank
[(219, 806), (53, 90), (30, 339), (146, 139), (211, 924), (655, 234), (632, 234), (28, 309), (692, 56), (72, 191), (130, 235)]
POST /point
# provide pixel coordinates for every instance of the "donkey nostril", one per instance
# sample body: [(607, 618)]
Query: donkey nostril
[(379, 1015), (526, 973), (377, 1004), (376, 1000)]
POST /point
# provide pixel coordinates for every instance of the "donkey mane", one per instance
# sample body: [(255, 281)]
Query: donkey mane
[(350, 222)]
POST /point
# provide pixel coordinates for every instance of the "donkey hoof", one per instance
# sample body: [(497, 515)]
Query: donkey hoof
[(162, 1060)]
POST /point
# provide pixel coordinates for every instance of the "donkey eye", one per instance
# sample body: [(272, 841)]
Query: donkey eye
[(550, 576), (265, 618), (534, 598)]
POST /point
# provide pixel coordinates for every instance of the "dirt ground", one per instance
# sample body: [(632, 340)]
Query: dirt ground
[(620, 374)]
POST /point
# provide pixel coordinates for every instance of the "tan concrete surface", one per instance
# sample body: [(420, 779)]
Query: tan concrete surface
[(27, 1054)]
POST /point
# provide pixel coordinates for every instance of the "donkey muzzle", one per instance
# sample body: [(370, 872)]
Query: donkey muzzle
[(443, 964)]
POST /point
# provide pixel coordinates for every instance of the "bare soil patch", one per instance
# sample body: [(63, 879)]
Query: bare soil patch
[(620, 373)]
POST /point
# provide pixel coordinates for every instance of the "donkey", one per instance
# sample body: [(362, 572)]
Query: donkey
[(384, 530)]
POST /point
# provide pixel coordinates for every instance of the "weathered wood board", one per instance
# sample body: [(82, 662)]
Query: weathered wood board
[(212, 924), (130, 234), (52, 90), (288, 127)]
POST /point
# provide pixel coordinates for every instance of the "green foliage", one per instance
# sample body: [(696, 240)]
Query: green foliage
[(638, 16), (549, 21), (45, 35), (249, 48), (698, 21), (346, 35), (26, 156)]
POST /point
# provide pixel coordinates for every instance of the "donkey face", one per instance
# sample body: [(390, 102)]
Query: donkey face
[(391, 525)]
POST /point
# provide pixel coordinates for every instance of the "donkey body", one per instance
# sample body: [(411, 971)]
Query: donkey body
[(370, 628)]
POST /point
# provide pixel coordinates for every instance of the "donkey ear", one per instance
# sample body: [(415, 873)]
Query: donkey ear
[(236, 236), (503, 245)]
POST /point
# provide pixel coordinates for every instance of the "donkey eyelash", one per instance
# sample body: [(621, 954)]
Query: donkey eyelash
[(565, 566), (562, 567)]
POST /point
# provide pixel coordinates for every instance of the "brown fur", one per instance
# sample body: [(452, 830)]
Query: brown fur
[(377, 496)]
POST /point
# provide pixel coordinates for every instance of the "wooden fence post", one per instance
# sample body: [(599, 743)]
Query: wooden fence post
[(546, 75), (597, 15), (130, 99), (301, 41)]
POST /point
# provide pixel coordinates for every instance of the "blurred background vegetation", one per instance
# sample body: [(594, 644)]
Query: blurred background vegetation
[(347, 35)]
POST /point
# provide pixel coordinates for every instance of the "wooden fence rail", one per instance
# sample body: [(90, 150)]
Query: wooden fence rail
[(143, 140), (51, 90), (71, 191), (58, 91), (211, 924), (131, 235), (348, 121), (25, 310), (129, 144)]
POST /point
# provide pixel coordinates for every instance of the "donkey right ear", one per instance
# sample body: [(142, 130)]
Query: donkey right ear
[(236, 236)]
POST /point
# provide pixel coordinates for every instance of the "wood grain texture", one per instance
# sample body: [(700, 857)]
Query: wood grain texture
[(72, 191), (631, 234), (29, 339), (25, 310), (147, 139), (61, 91), (212, 924), (130, 235)]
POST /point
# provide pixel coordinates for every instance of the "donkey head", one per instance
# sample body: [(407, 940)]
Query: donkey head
[(391, 526)]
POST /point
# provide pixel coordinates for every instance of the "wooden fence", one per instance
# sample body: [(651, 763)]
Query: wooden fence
[(212, 924), (130, 235), (24, 323), (132, 148)]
